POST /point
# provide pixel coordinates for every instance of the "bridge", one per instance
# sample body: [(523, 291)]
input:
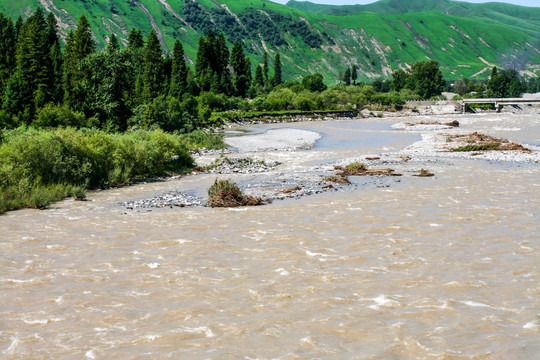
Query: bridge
[(498, 102)]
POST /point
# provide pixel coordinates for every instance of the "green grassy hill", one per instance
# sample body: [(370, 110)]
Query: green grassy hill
[(466, 39)]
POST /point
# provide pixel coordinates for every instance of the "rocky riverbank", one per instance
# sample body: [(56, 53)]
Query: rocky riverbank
[(273, 165)]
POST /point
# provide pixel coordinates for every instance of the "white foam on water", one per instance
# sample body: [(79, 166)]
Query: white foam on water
[(532, 325), (476, 304), (282, 272), (200, 330), (90, 354), (151, 337), (154, 265), (382, 301), (11, 349)]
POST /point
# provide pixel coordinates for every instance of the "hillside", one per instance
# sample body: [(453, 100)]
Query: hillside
[(466, 39), (520, 18)]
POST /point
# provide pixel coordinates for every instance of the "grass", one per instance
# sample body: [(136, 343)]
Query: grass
[(404, 37), (472, 147)]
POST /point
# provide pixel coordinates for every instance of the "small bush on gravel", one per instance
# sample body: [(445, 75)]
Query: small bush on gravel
[(225, 193)]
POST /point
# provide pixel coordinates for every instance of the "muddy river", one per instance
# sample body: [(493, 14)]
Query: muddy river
[(445, 267)]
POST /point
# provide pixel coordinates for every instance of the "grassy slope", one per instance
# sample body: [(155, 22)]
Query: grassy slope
[(521, 18), (377, 43)]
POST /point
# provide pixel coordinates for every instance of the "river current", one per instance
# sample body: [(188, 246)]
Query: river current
[(428, 268)]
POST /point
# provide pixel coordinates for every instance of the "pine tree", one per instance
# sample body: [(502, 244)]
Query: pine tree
[(239, 64), (113, 45), (203, 62), (55, 57), (153, 68), (277, 79), (135, 39), (32, 57), (7, 51), (347, 77), (211, 67), (18, 26), (84, 44), (179, 73), (354, 74), (222, 53), (265, 68), (258, 80), (79, 45)]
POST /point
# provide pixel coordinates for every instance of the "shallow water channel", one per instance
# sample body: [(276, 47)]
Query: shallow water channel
[(428, 268)]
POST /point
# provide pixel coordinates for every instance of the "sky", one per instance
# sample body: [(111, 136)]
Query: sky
[(532, 3)]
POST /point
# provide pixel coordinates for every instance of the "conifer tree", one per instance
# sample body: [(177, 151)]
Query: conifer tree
[(84, 44), (153, 68), (241, 73), (179, 73), (354, 74), (7, 51), (18, 25), (79, 45), (135, 39), (347, 77), (277, 79), (33, 66), (113, 45), (55, 57), (258, 80), (265, 67)]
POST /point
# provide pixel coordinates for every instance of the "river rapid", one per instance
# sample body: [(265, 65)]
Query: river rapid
[(445, 267)]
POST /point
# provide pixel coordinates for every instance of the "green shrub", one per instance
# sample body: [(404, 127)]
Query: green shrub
[(41, 166), (54, 116)]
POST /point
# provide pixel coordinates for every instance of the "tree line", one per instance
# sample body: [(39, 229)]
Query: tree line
[(46, 85)]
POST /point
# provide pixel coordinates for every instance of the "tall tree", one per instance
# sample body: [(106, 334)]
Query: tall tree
[(135, 39), (153, 68), (7, 51), (241, 70), (84, 45), (265, 67), (113, 45), (79, 45), (505, 84), (426, 79), (277, 79), (179, 73), (55, 57), (354, 74), (33, 69), (399, 80), (258, 80), (103, 89), (347, 77)]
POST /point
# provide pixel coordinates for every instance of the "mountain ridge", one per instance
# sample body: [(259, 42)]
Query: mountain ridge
[(378, 43)]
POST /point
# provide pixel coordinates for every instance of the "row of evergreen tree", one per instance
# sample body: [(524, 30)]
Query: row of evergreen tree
[(111, 87)]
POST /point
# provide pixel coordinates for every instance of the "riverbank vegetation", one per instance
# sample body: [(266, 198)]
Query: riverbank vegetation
[(73, 118), (41, 166)]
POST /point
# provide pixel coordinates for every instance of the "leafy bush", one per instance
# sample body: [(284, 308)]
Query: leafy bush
[(60, 115), (41, 166)]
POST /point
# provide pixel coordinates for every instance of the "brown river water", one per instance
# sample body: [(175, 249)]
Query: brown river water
[(428, 268)]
